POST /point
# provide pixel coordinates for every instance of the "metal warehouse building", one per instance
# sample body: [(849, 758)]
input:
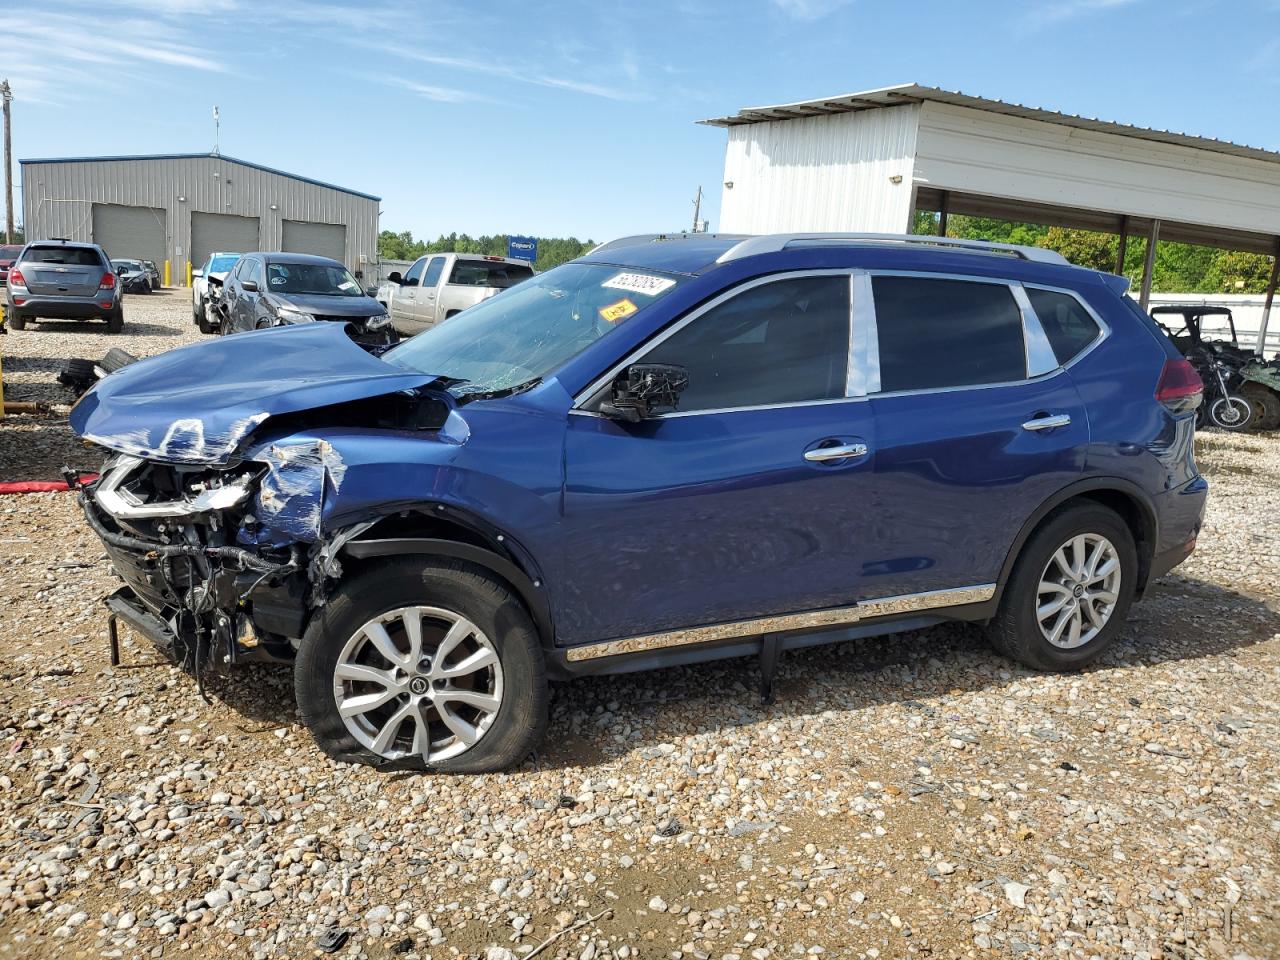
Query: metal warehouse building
[(181, 207), (867, 161)]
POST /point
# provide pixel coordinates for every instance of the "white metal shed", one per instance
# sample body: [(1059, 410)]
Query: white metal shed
[(867, 161)]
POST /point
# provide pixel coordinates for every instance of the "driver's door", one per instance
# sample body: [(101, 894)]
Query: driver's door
[(736, 506), (404, 304)]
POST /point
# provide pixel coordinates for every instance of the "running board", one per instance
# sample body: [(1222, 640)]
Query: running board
[(789, 623)]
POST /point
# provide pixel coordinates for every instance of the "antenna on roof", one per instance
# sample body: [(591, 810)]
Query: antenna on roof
[(217, 130)]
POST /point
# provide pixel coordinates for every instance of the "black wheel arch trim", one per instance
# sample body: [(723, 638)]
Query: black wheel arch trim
[(1151, 526), (534, 598)]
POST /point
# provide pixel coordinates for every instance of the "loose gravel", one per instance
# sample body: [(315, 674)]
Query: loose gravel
[(914, 795)]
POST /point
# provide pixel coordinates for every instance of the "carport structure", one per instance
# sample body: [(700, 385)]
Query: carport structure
[(868, 161)]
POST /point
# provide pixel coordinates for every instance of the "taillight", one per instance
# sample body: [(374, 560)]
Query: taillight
[(1180, 387), (108, 282), (16, 279)]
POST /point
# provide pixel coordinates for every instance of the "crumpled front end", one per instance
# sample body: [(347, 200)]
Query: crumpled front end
[(170, 532)]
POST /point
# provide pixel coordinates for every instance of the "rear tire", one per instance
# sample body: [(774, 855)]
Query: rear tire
[(1266, 405), (17, 320), (1027, 622), (115, 320), (441, 595)]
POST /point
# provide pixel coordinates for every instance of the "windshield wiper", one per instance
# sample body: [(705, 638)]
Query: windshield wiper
[(502, 392)]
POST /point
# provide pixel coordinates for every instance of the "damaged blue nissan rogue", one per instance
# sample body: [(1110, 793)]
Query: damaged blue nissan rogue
[(673, 449)]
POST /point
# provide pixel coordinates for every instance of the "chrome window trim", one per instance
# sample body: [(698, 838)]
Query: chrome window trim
[(1037, 351), (807, 620), (1104, 329), (590, 392)]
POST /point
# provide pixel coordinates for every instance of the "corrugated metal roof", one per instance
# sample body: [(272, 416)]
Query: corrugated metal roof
[(202, 156), (915, 93)]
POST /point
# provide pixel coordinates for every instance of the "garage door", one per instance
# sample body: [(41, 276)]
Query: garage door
[(130, 233), (322, 239), (220, 231)]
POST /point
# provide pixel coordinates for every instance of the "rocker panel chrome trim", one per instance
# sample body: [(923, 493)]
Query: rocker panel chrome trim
[(810, 620)]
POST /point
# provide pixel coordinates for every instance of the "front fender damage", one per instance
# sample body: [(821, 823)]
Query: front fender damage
[(291, 495)]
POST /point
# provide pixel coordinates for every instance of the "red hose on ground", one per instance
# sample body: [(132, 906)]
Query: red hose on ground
[(42, 486)]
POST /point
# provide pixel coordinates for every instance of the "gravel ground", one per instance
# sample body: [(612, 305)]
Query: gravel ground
[(909, 796)]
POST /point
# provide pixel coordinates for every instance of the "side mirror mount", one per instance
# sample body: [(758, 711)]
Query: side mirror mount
[(643, 390), (395, 277), (249, 286)]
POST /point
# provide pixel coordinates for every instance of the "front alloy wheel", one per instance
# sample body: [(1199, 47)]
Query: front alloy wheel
[(423, 663), (418, 681)]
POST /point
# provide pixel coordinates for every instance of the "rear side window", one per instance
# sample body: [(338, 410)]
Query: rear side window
[(480, 273), (1066, 322), (72, 256), (946, 333), (780, 342)]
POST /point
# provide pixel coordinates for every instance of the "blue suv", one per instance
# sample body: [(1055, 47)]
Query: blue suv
[(671, 450)]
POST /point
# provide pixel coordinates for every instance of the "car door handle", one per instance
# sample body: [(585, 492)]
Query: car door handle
[(1048, 423), (842, 452)]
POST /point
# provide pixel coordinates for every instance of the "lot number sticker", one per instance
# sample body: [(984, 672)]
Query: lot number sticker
[(618, 311), (639, 283)]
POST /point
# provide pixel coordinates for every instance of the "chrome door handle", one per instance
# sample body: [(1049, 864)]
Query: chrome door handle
[(1048, 423), (843, 452)]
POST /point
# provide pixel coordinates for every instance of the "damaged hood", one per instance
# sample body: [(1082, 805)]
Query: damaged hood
[(198, 404)]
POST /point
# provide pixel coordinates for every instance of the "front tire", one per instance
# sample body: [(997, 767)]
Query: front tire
[(423, 664), (1070, 590)]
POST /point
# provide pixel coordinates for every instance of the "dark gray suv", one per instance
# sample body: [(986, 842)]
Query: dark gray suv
[(61, 280)]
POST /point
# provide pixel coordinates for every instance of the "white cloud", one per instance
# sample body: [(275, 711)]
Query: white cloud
[(1048, 14), (429, 92), (809, 9)]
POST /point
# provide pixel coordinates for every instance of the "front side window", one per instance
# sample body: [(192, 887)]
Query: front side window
[(1066, 322), (522, 334), (786, 341), (434, 269), (938, 333), (414, 274)]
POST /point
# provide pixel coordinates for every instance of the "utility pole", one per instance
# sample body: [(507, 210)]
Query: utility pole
[(217, 130), (7, 95), (697, 204)]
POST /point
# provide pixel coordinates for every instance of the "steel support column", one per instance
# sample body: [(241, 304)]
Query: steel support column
[(944, 204), (1149, 264), (1271, 295), (1124, 244)]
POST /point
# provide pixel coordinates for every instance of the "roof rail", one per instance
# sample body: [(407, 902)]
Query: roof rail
[(650, 237), (775, 242)]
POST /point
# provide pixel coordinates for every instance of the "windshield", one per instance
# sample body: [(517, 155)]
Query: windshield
[(316, 279), (9, 251), (524, 333), (222, 264), (127, 264), (482, 273)]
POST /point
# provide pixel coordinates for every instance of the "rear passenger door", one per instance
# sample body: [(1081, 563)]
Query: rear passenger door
[(977, 424)]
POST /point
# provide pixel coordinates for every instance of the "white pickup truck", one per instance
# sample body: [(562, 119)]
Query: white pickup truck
[(439, 285)]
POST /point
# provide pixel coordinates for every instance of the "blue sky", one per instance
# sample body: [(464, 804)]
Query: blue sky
[(577, 117)]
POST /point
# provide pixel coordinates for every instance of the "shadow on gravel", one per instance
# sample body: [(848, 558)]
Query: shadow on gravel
[(1180, 619), (97, 326)]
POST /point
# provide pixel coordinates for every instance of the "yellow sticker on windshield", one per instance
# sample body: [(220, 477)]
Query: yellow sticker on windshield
[(618, 311)]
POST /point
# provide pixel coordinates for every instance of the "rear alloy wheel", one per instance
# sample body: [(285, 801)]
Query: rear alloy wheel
[(425, 665), (1070, 590)]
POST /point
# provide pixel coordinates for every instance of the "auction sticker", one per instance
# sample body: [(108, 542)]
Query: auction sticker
[(642, 283), (618, 311)]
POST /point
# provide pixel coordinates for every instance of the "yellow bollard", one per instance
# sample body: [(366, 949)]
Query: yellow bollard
[(166, 273), (188, 273)]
